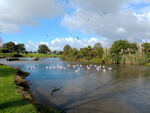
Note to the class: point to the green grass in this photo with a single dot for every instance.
(28, 55)
(10, 100)
(148, 64)
(38, 55)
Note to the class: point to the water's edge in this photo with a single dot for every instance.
(24, 90)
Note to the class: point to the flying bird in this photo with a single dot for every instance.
(47, 35)
(104, 12)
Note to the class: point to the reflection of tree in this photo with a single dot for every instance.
(131, 72)
(96, 95)
(119, 83)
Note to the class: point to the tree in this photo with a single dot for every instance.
(98, 50)
(20, 48)
(4, 50)
(73, 52)
(55, 52)
(146, 48)
(86, 53)
(10, 46)
(43, 49)
(119, 48)
(67, 49)
(97, 45)
(133, 48)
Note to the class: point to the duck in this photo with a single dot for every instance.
(104, 70)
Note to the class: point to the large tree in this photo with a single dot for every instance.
(119, 48)
(146, 48)
(20, 48)
(10, 46)
(43, 49)
(67, 49)
(98, 50)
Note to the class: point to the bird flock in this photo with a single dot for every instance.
(76, 67)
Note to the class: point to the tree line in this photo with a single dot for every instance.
(11, 47)
(121, 52)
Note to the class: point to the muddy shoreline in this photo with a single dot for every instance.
(24, 90)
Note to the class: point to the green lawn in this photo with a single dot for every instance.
(10, 100)
(28, 55)
(38, 55)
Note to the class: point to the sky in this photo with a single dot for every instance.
(59, 22)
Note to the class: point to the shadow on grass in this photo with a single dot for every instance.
(5, 72)
(13, 104)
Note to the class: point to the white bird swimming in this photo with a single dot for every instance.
(110, 68)
(77, 70)
(104, 70)
(88, 68)
(50, 67)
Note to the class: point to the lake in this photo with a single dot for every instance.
(88, 88)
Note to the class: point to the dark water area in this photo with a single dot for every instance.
(88, 88)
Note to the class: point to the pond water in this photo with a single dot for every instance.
(88, 88)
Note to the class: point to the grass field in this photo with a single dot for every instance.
(38, 55)
(10, 100)
(28, 55)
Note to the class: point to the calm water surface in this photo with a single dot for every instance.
(124, 89)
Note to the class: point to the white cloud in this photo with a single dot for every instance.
(110, 19)
(1, 42)
(59, 43)
(14, 13)
(30, 46)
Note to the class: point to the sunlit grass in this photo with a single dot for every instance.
(28, 55)
(10, 100)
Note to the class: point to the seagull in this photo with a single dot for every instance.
(104, 70)
(47, 36)
(110, 68)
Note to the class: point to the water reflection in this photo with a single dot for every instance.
(124, 89)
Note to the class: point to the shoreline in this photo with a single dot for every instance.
(99, 63)
(24, 90)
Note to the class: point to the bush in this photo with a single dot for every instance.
(36, 58)
(17, 55)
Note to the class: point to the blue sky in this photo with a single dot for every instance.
(56, 21)
(47, 30)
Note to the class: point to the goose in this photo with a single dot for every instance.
(77, 70)
(104, 70)
(54, 68)
(98, 69)
(50, 67)
(88, 68)
(110, 68)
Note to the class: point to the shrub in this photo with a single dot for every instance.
(36, 58)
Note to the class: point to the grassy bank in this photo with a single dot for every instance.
(15, 95)
(27, 55)
(10, 100)
(38, 55)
